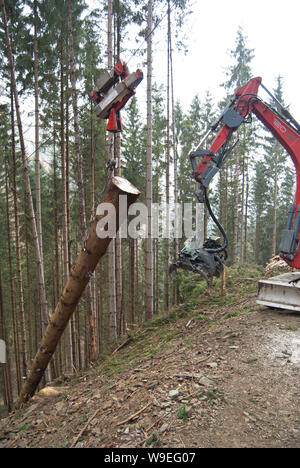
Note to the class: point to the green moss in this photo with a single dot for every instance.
(182, 413)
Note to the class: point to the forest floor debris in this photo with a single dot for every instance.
(230, 380)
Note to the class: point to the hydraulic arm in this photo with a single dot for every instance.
(283, 127)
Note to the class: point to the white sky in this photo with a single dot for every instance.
(272, 28)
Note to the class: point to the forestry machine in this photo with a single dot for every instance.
(113, 89)
(281, 291)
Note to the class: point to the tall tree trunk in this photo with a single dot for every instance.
(71, 337)
(167, 243)
(246, 216)
(236, 205)
(55, 210)
(118, 243)
(56, 241)
(40, 268)
(12, 289)
(43, 303)
(137, 302)
(23, 348)
(225, 222)
(275, 193)
(37, 151)
(131, 282)
(64, 198)
(82, 209)
(257, 237)
(149, 243)
(110, 156)
(118, 246)
(176, 238)
(101, 309)
(29, 308)
(92, 208)
(242, 214)
(7, 394)
(156, 254)
(81, 272)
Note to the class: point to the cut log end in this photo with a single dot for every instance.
(125, 186)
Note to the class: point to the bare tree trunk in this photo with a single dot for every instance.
(242, 214)
(68, 214)
(131, 282)
(225, 204)
(274, 230)
(137, 302)
(149, 243)
(101, 310)
(176, 239)
(257, 237)
(23, 349)
(8, 397)
(82, 209)
(64, 199)
(37, 153)
(246, 216)
(156, 254)
(236, 206)
(92, 208)
(81, 272)
(29, 309)
(12, 290)
(43, 303)
(110, 154)
(26, 171)
(56, 240)
(167, 242)
(118, 246)
(118, 242)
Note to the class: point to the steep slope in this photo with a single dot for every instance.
(218, 372)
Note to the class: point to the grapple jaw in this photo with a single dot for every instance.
(202, 261)
(113, 89)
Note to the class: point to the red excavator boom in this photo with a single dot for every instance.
(282, 291)
(283, 127)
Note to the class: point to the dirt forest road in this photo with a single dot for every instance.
(258, 365)
(225, 380)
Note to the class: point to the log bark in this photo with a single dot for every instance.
(79, 278)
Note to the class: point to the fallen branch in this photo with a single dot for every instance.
(134, 415)
(154, 424)
(85, 428)
(122, 345)
(187, 376)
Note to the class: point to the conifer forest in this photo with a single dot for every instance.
(57, 160)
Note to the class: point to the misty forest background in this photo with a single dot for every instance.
(52, 184)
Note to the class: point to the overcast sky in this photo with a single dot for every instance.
(272, 28)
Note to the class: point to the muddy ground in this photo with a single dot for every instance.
(223, 378)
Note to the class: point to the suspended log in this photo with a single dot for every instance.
(81, 272)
